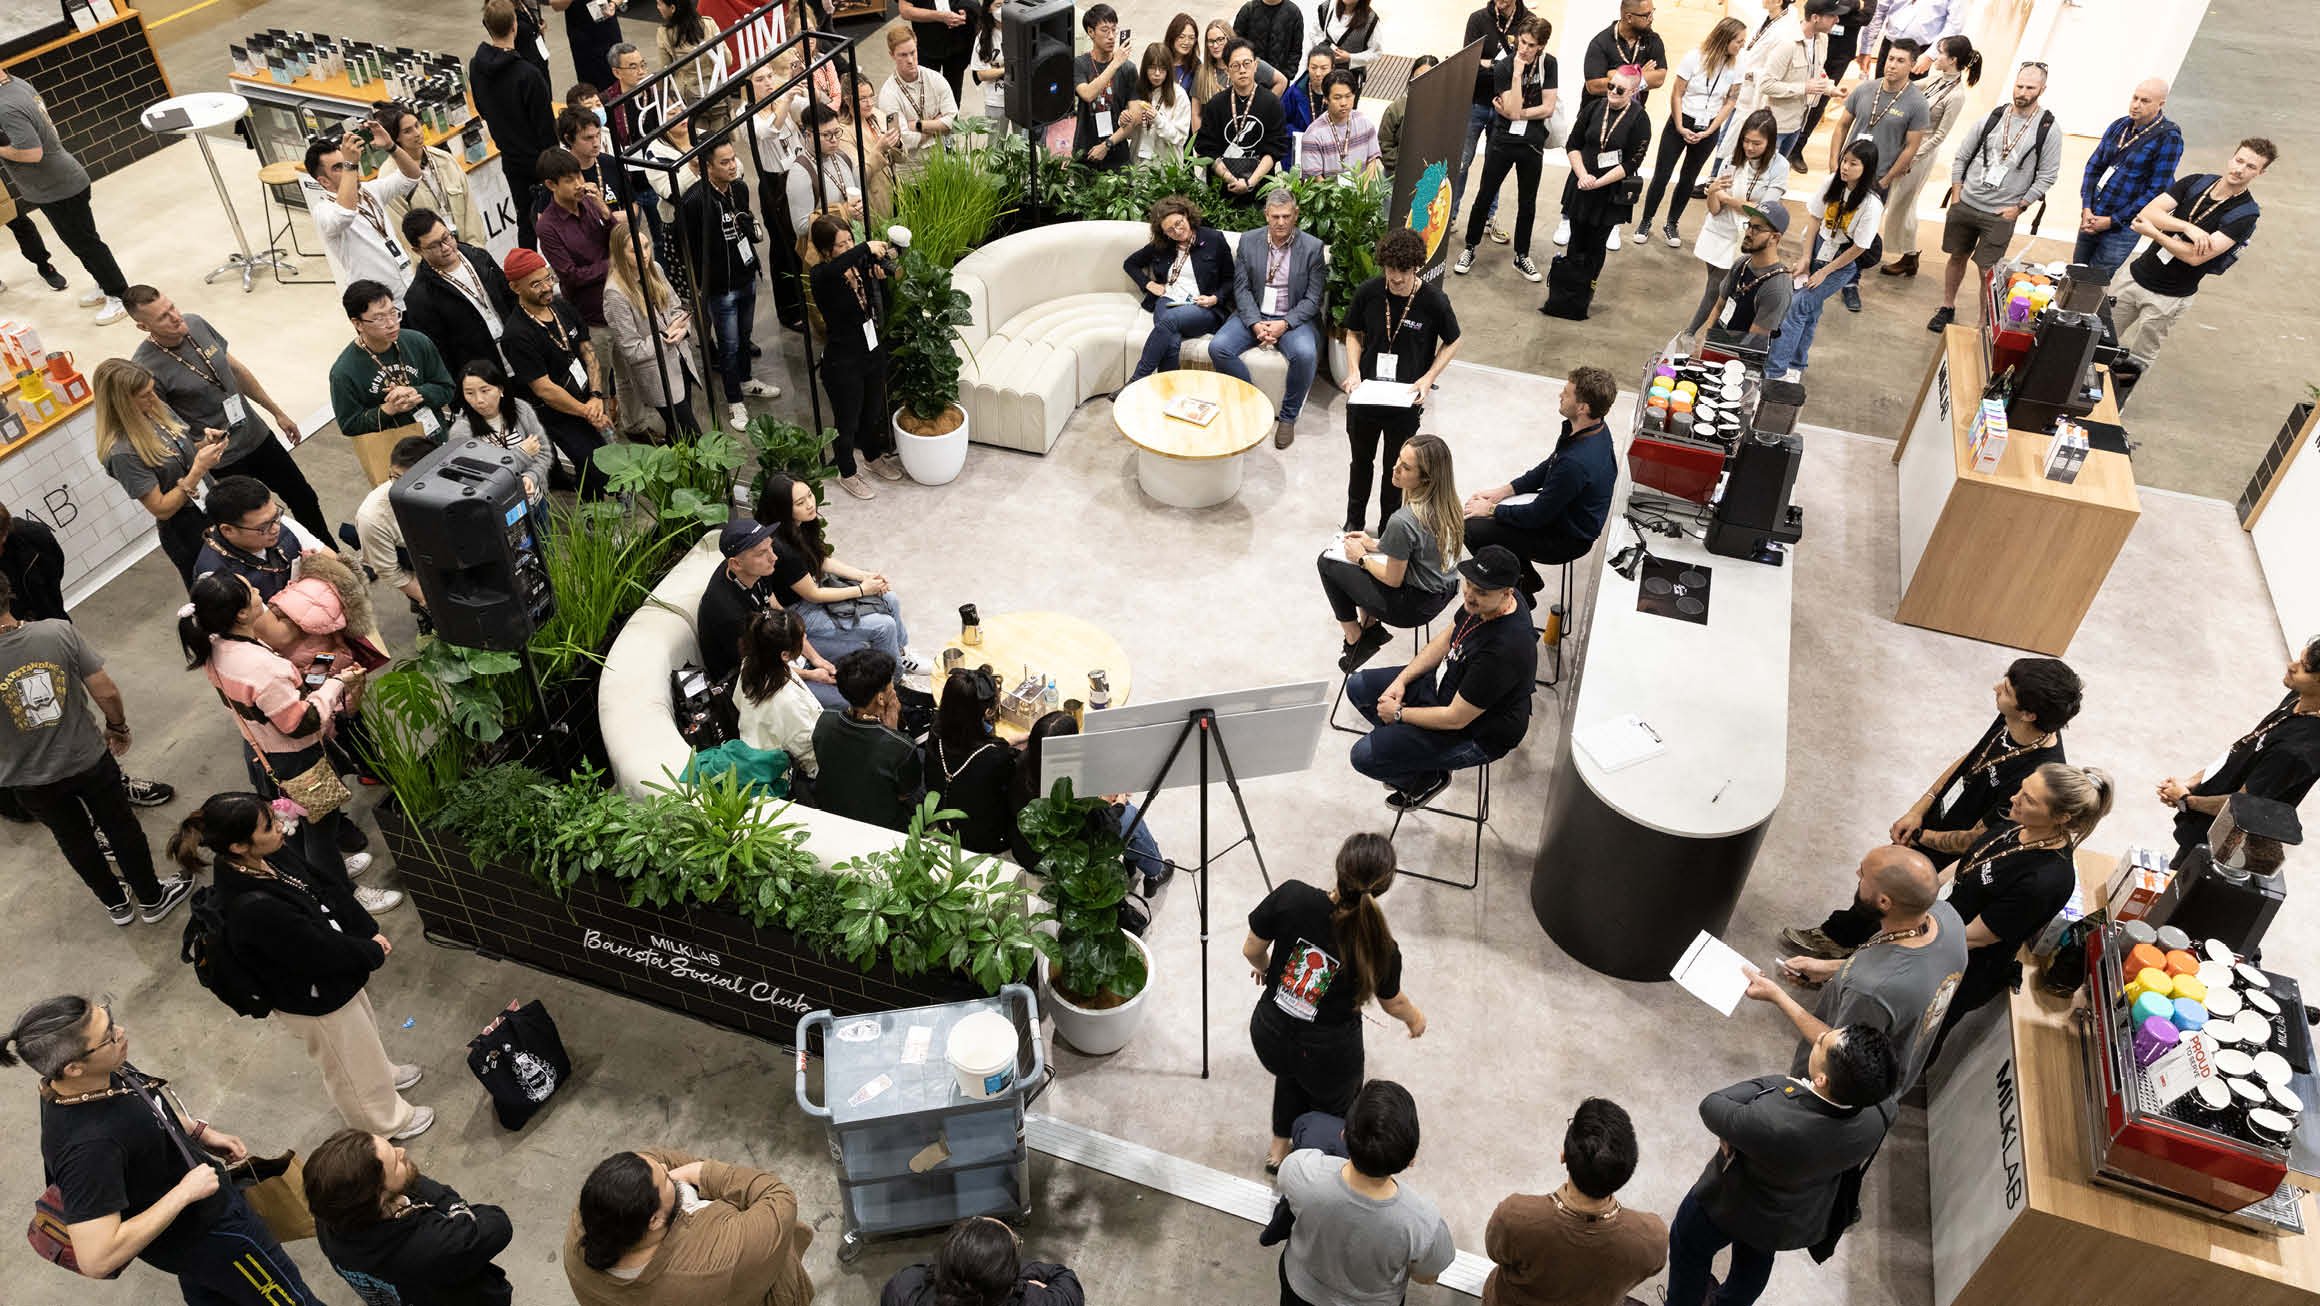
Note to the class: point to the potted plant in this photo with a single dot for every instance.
(788, 447)
(1348, 215)
(1096, 982)
(930, 429)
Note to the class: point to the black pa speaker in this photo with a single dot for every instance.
(474, 545)
(1035, 41)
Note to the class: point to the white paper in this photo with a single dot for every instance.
(1618, 742)
(1381, 394)
(1336, 549)
(1513, 500)
(1712, 972)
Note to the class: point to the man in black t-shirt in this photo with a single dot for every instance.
(551, 361)
(1522, 116)
(1242, 127)
(946, 36)
(737, 591)
(1495, 25)
(1402, 332)
(2198, 227)
(1476, 711)
(1101, 82)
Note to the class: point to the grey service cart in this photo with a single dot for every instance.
(891, 1097)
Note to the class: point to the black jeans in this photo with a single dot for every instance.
(28, 241)
(76, 226)
(271, 465)
(519, 184)
(579, 442)
(1533, 547)
(1671, 142)
(1352, 590)
(1526, 164)
(1314, 1067)
(857, 390)
(1590, 243)
(782, 266)
(78, 806)
(678, 419)
(1365, 426)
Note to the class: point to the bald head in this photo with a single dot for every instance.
(1901, 879)
(2148, 100)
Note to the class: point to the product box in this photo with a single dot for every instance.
(2072, 912)
(2136, 883)
(1988, 439)
(2181, 1068)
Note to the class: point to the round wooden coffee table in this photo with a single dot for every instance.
(1184, 464)
(1050, 644)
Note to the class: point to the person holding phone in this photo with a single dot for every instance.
(354, 217)
(649, 329)
(149, 452)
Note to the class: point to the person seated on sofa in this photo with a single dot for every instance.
(1185, 275)
(737, 592)
(1143, 857)
(969, 764)
(860, 610)
(869, 769)
(777, 709)
(1276, 302)
(1242, 127)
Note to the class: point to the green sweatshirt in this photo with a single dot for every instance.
(360, 379)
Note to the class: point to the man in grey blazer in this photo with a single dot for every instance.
(1277, 276)
(1783, 1148)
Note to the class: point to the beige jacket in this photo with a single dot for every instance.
(744, 1249)
(1787, 62)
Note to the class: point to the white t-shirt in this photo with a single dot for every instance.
(1861, 230)
(1185, 286)
(994, 92)
(928, 99)
(363, 241)
(1704, 95)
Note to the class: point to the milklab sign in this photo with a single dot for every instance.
(745, 42)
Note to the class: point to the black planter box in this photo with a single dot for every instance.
(706, 963)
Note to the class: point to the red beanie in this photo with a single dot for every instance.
(521, 263)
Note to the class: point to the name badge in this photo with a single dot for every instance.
(1520, 126)
(425, 416)
(1276, 299)
(1235, 152)
(870, 335)
(1995, 174)
(579, 374)
(1731, 306)
(2105, 178)
(540, 43)
(747, 252)
(1103, 124)
(1607, 160)
(402, 260)
(237, 410)
(1829, 247)
(1838, 30)
(2163, 255)
(1388, 367)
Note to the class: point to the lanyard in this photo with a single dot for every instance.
(1984, 760)
(1938, 95)
(1877, 111)
(1176, 269)
(427, 178)
(1341, 135)
(466, 283)
(1277, 263)
(1238, 113)
(1394, 324)
(2209, 198)
(369, 209)
(554, 324)
(1463, 629)
(2014, 129)
(401, 370)
(2004, 845)
(1628, 53)
(206, 371)
(1610, 124)
(1742, 290)
(2126, 142)
(2264, 728)
(861, 297)
(915, 93)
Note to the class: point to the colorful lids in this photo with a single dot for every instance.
(2152, 1004)
(2173, 939)
(2180, 962)
(2189, 1014)
(2145, 956)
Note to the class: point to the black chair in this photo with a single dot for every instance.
(1418, 636)
(1563, 605)
(1480, 817)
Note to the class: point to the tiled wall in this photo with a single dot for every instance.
(56, 480)
(95, 87)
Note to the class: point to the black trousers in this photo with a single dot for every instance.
(78, 806)
(76, 226)
(1365, 425)
(579, 442)
(857, 390)
(1671, 142)
(1590, 243)
(1533, 547)
(1841, 52)
(1314, 1067)
(1352, 590)
(519, 184)
(273, 467)
(180, 535)
(28, 241)
(954, 71)
(1526, 164)
(782, 265)
(678, 419)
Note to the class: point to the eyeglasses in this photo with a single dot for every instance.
(444, 241)
(344, 167)
(2039, 66)
(113, 1034)
(266, 527)
(381, 319)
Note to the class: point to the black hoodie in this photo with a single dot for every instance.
(311, 948)
(436, 1253)
(513, 98)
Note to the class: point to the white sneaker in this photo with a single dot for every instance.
(857, 487)
(406, 1076)
(887, 466)
(908, 664)
(377, 900)
(737, 412)
(1614, 242)
(1563, 232)
(757, 389)
(356, 864)
(1793, 375)
(112, 312)
(93, 298)
(422, 1120)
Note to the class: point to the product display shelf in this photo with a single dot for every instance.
(340, 88)
(63, 415)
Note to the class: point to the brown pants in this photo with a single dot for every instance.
(356, 1071)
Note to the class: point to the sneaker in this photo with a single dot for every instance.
(1563, 232)
(1942, 317)
(173, 892)
(1852, 296)
(1642, 236)
(756, 389)
(1284, 432)
(406, 1076)
(1796, 165)
(375, 901)
(737, 413)
(857, 487)
(1362, 650)
(909, 663)
(887, 466)
(1465, 263)
(122, 912)
(54, 278)
(1793, 375)
(1668, 233)
(1813, 943)
(1523, 264)
(357, 864)
(1498, 233)
(93, 298)
(1612, 245)
(147, 793)
(112, 312)
(1410, 800)
(422, 1120)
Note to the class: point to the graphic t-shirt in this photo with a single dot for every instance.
(1305, 976)
(1409, 332)
(46, 732)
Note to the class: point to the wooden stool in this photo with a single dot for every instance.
(283, 173)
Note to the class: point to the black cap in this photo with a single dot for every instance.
(740, 536)
(1493, 567)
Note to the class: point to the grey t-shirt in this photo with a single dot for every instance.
(1346, 1250)
(139, 477)
(1772, 294)
(47, 732)
(194, 380)
(1886, 120)
(1414, 544)
(58, 175)
(1902, 990)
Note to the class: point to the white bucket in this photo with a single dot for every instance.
(981, 1050)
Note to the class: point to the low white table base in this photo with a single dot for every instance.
(1189, 482)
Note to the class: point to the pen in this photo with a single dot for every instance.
(1720, 790)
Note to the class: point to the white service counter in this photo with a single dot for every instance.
(53, 477)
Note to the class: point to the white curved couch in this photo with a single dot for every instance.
(1055, 324)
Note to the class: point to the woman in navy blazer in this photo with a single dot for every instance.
(1183, 256)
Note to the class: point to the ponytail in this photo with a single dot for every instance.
(223, 821)
(1365, 870)
(1962, 52)
(47, 1037)
(2079, 795)
(218, 600)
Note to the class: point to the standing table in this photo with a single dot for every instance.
(204, 110)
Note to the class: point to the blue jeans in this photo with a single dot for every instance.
(1171, 323)
(1477, 122)
(883, 631)
(1787, 143)
(1406, 757)
(2105, 250)
(1301, 346)
(1693, 1241)
(1794, 342)
(1143, 850)
(238, 1263)
(733, 315)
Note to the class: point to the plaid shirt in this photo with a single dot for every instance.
(2137, 176)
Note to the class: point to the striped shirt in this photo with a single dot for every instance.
(1327, 149)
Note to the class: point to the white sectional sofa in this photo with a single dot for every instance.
(1055, 324)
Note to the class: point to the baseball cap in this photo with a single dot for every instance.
(1493, 567)
(740, 536)
(1774, 216)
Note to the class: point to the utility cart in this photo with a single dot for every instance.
(914, 1149)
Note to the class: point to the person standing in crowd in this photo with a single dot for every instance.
(849, 289)
(1925, 24)
(1844, 42)
(827, 182)
(1893, 115)
(1844, 243)
(1185, 275)
(1103, 79)
(1242, 127)
(981, 1264)
(511, 96)
(1522, 117)
(968, 764)
(1400, 331)
(2133, 163)
(2000, 171)
(1628, 43)
(649, 328)
(306, 938)
(58, 767)
(152, 456)
(2279, 759)
(947, 34)
(458, 298)
(1274, 29)
(378, 532)
(683, 31)
(387, 377)
(1214, 74)
(2036, 698)
(1303, 102)
(1361, 1236)
(396, 1235)
(1754, 182)
(47, 178)
(2198, 228)
(1606, 151)
(1783, 1147)
(1788, 70)
(862, 612)
(352, 217)
(1160, 114)
(137, 1179)
(917, 98)
(550, 356)
(1577, 1246)
(1899, 980)
(576, 232)
(1401, 578)
(591, 28)
(719, 234)
(1348, 28)
(1497, 25)
(33, 563)
(870, 770)
(778, 143)
(1475, 712)
(28, 241)
(442, 181)
(582, 132)
(208, 388)
(1956, 65)
(1321, 955)
(1390, 122)
(532, 39)
(1278, 277)
(775, 704)
(1753, 298)
(246, 538)
(660, 1227)
(1568, 494)
(1707, 86)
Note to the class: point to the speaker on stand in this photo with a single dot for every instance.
(1035, 40)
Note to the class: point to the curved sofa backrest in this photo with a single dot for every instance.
(1029, 268)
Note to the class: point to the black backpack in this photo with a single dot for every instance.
(212, 956)
(2037, 151)
(704, 708)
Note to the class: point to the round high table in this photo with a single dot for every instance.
(1047, 643)
(202, 111)
(1184, 464)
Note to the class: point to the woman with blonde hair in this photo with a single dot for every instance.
(1212, 78)
(638, 310)
(142, 445)
(1404, 578)
(1707, 85)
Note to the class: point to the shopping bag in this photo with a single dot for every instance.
(520, 1060)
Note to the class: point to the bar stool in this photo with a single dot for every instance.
(1479, 817)
(1419, 635)
(283, 173)
(1563, 605)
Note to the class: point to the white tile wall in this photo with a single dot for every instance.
(56, 480)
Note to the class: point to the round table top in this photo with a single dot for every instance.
(1244, 419)
(281, 172)
(1049, 643)
(207, 109)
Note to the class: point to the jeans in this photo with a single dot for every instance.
(78, 806)
(1693, 1241)
(1143, 850)
(1671, 142)
(1171, 323)
(1352, 590)
(1364, 427)
(272, 465)
(883, 631)
(76, 226)
(1478, 120)
(1526, 164)
(238, 1263)
(733, 315)
(858, 410)
(1300, 345)
(2105, 250)
(1790, 347)
(1405, 756)
(1314, 1067)
(1786, 145)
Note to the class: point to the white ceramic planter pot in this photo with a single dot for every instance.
(932, 459)
(1098, 1033)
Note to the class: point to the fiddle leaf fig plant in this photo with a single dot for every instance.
(1080, 852)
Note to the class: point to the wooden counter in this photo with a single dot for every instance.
(2006, 556)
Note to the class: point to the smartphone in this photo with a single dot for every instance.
(678, 319)
(1127, 35)
(319, 670)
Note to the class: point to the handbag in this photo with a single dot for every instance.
(317, 789)
(275, 1187)
(519, 1059)
(846, 614)
(51, 1239)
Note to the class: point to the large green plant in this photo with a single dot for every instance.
(928, 904)
(923, 377)
(1349, 218)
(687, 482)
(949, 204)
(1080, 851)
(413, 745)
(788, 447)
